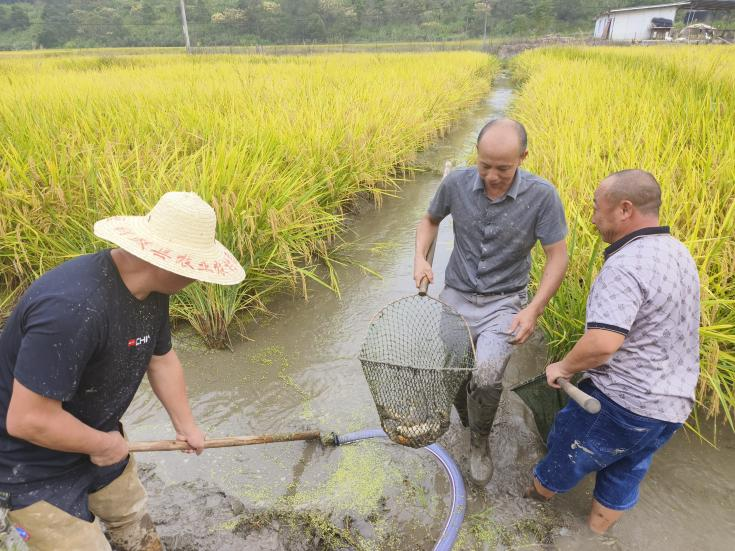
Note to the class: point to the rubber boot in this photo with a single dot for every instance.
(482, 405)
(151, 542)
(481, 464)
(460, 404)
(141, 536)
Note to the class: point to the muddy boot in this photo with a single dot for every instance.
(139, 537)
(151, 542)
(460, 404)
(481, 465)
(482, 404)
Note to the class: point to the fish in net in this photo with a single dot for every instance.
(417, 354)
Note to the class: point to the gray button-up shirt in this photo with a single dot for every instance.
(493, 239)
(648, 290)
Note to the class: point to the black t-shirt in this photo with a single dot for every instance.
(78, 336)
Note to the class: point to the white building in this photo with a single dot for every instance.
(629, 24)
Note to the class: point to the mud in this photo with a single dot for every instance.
(358, 508)
(200, 516)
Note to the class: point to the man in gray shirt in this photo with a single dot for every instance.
(499, 211)
(639, 355)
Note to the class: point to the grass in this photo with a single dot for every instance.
(353, 498)
(280, 146)
(300, 527)
(482, 531)
(592, 111)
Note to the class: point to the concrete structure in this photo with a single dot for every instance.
(636, 23)
(629, 24)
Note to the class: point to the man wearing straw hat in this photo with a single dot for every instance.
(499, 211)
(72, 356)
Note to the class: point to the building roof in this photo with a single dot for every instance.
(653, 7)
(712, 4)
(693, 4)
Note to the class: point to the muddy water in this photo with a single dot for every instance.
(299, 371)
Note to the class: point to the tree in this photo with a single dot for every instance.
(101, 25)
(339, 17)
(197, 11)
(56, 24)
(273, 25)
(315, 29)
(143, 12)
(156, 22)
(233, 18)
(542, 16)
(569, 10)
(18, 19)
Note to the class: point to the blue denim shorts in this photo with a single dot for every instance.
(617, 444)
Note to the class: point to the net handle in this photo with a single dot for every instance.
(424, 283)
(588, 403)
(585, 401)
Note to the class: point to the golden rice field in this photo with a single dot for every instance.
(669, 110)
(279, 145)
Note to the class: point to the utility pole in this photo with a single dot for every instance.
(185, 26)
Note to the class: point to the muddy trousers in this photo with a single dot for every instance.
(489, 318)
(120, 505)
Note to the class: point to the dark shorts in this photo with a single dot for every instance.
(69, 492)
(616, 443)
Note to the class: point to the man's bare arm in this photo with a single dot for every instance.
(426, 233)
(557, 260)
(43, 422)
(166, 376)
(594, 349)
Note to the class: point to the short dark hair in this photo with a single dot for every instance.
(520, 129)
(637, 186)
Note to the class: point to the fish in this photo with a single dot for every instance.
(420, 430)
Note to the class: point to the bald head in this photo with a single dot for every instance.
(637, 186)
(505, 129)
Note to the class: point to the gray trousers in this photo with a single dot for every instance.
(489, 318)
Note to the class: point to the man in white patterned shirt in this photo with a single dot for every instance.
(639, 355)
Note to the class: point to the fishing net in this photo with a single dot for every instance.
(543, 401)
(417, 354)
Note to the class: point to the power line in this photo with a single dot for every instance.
(173, 24)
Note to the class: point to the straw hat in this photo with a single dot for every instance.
(178, 236)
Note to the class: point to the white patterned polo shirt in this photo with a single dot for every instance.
(648, 291)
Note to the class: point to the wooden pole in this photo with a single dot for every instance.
(172, 445)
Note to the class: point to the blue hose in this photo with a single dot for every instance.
(459, 498)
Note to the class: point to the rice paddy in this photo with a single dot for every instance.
(669, 110)
(280, 146)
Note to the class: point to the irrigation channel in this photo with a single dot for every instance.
(300, 371)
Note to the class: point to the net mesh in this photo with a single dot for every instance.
(417, 354)
(543, 401)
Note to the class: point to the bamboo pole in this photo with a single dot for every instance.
(230, 441)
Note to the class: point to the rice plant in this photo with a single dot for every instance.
(279, 146)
